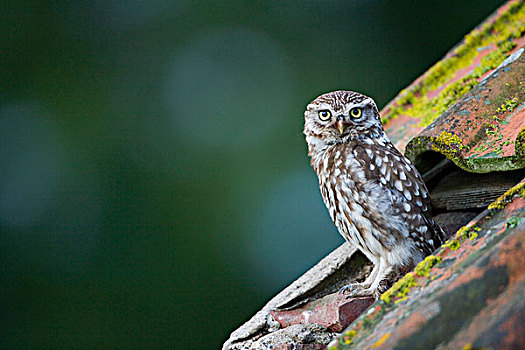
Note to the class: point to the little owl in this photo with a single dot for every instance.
(375, 196)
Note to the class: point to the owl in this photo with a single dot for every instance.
(375, 196)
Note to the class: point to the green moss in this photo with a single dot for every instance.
(381, 341)
(508, 105)
(467, 233)
(490, 129)
(508, 196)
(424, 267)
(468, 346)
(495, 139)
(400, 289)
(414, 102)
(416, 146)
(453, 244)
(520, 143)
(349, 336)
(344, 340)
(513, 222)
(369, 321)
(449, 145)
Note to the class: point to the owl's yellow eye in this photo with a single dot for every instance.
(324, 115)
(355, 113)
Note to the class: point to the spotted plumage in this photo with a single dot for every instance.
(375, 196)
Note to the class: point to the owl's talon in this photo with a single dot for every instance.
(355, 290)
(346, 288)
(358, 290)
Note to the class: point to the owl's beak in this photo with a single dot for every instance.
(340, 126)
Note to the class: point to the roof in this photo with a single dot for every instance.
(469, 293)
(470, 105)
(468, 108)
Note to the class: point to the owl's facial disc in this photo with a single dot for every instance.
(340, 116)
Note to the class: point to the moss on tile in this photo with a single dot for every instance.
(467, 232)
(344, 340)
(453, 244)
(509, 105)
(400, 289)
(520, 143)
(349, 336)
(464, 233)
(414, 102)
(512, 222)
(424, 267)
(450, 145)
(381, 341)
(508, 196)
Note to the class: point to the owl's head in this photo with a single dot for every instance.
(341, 116)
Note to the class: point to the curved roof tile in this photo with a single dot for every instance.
(470, 105)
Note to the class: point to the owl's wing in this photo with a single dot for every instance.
(385, 165)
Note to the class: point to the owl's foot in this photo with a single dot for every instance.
(374, 289)
(359, 290)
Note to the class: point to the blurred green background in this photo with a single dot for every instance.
(154, 187)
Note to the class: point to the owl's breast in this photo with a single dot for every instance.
(360, 207)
